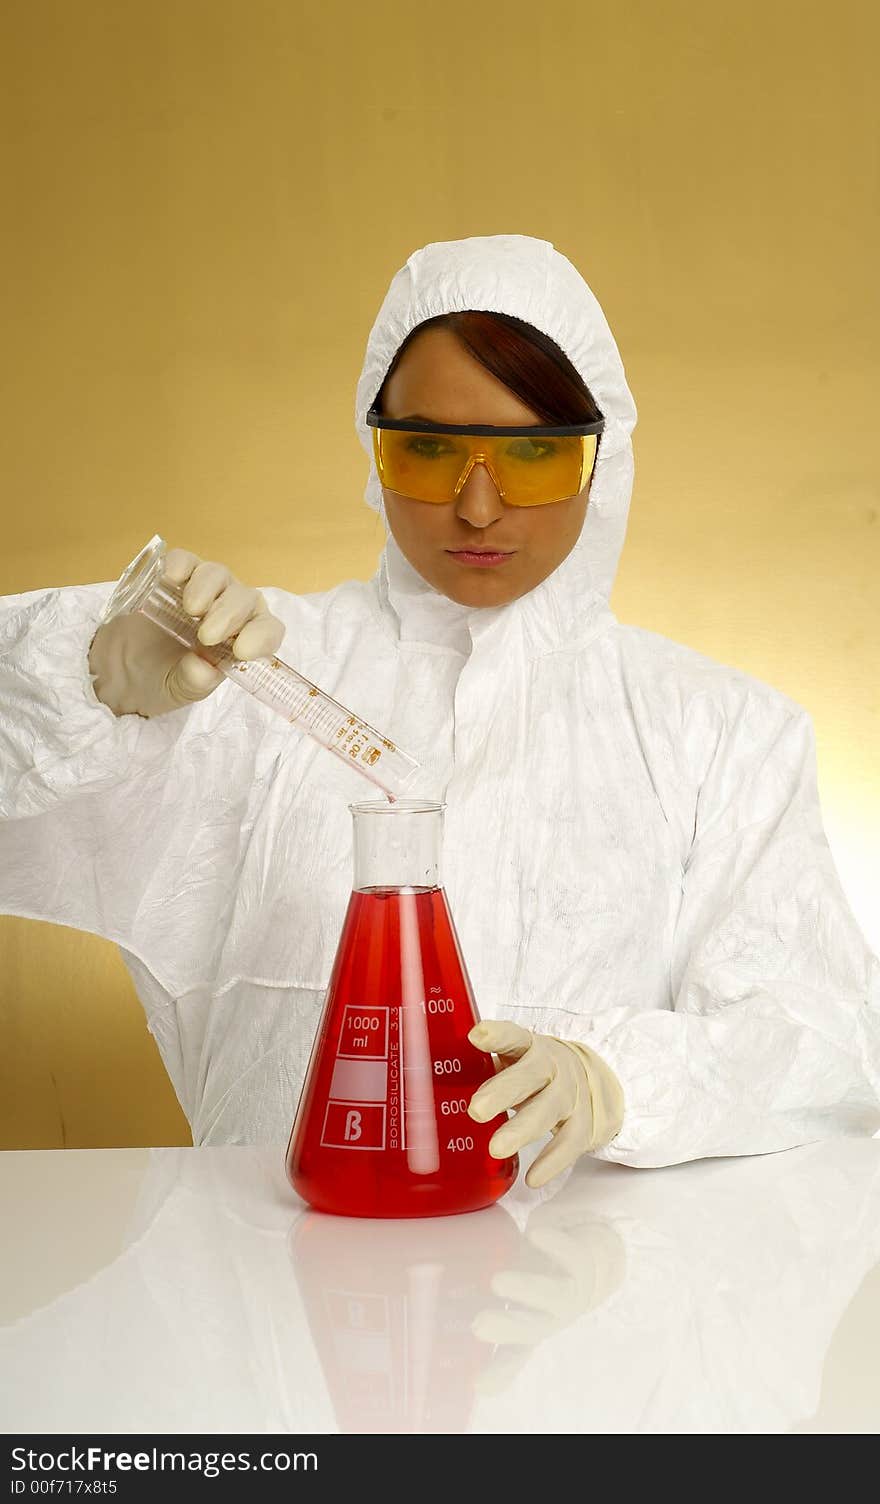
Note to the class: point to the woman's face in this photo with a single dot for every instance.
(438, 379)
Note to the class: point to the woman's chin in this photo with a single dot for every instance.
(473, 586)
(479, 597)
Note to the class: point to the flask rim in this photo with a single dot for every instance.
(399, 807)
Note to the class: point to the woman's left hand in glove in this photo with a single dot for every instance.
(557, 1086)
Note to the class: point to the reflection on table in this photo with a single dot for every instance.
(188, 1290)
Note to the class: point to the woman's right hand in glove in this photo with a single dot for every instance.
(137, 669)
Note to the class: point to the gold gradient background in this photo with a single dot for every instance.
(207, 200)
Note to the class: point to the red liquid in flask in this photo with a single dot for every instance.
(382, 1128)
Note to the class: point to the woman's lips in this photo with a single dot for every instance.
(481, 559)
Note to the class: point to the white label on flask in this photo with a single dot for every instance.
(359, 1081)
(364, 1033)
(354, 1125)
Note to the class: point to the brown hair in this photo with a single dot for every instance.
(525, 359)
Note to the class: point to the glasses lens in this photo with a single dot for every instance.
(531, 471)
(535, 471)
(424, 466)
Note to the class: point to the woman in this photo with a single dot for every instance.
(660, 947)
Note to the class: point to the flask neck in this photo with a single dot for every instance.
(397, 845)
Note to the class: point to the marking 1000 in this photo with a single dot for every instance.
(438, 1005)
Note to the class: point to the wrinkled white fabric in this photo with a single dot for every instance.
(634, 853)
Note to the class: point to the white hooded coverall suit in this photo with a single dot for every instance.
(633, 851)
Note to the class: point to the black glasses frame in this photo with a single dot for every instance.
(408, 425)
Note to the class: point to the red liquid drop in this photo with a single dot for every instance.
(382, 1128)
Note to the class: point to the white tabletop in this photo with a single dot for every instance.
(179, 1291)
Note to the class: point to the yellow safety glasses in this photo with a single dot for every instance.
(530, 466)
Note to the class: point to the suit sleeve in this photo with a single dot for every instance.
(126, 827)
(773, 1038)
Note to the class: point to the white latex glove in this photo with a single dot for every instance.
(138, 669)
(558, 1086)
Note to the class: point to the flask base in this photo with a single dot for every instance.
(411, 1200)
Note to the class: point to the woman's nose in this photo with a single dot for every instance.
(478, 500)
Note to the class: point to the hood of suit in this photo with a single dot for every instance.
(529, 278)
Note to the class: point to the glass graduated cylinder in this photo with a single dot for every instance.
(142, 587)
(382, 1128)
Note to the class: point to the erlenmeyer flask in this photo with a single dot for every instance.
(382, 1128)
